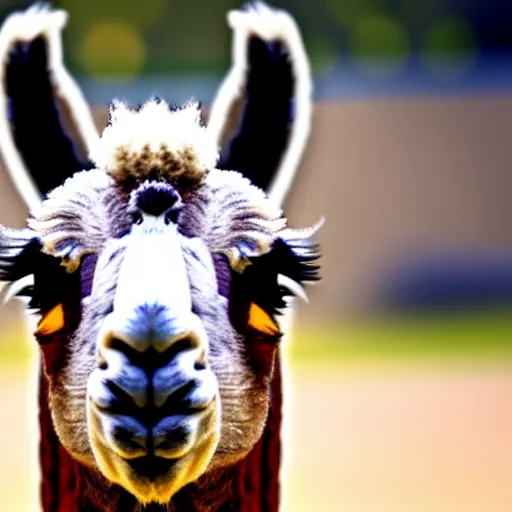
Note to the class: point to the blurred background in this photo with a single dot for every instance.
(400, 369)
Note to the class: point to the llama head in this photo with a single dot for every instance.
(159, 275)
(157, 278)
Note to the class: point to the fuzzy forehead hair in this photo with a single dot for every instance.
(155, 141)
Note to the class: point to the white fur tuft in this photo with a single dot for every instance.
(268, 24)
(260, 20)
(154, 137)
(39, 20)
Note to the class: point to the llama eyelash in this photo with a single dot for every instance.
(293, 258)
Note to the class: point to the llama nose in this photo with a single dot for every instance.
(152, 383)
(150, 362)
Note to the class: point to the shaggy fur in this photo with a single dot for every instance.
(227, 212)
(155, 142)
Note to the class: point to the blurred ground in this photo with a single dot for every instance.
(436, 441)
(373, 424)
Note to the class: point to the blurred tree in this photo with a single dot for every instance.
(127, 38)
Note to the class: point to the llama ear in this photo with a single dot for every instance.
(46, 127)
(267, 96)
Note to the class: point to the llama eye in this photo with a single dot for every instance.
(254, 297)
(259, 294)
(56, 294)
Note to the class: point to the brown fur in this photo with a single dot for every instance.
(179, 168)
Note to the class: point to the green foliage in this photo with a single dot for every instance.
(477, 338)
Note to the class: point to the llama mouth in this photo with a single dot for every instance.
(154, 463)
(171, 437)
(151, 467)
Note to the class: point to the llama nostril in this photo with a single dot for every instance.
(188, 342)
(119, 345)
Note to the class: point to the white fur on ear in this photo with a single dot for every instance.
(268, 24)
(39, 20)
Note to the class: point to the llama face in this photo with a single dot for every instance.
(158, 288)
(158, 277)
(153, 351)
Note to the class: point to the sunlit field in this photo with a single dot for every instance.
(410, 414)
(406, 341)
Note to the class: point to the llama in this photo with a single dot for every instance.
(159, 262)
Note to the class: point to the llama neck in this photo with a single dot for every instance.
(251, 485)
